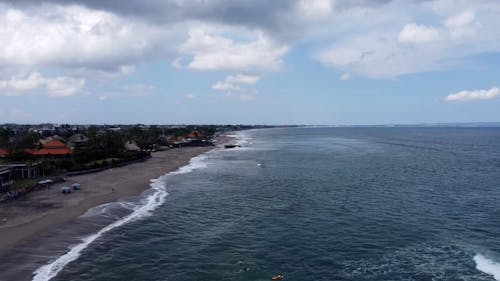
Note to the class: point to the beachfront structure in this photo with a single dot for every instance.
(78, 141)
(12, 172)
(132, 146)
(29, 170)
(197, 135)
(179, 142)
(6, 179)
(52, 138)
(53, 148)
(18, 171)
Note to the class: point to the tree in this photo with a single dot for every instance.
(5, 135)
(27, 141)
(113, 143)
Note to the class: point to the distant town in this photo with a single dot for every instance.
(32, 156)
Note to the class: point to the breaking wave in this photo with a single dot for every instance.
(487, 266)
(144, 209)
(241, 139)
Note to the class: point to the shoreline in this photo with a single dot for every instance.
(45, 210)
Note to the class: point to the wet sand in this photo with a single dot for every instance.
(42, 211)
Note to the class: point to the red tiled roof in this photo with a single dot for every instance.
(54, 144)
(51, 151)
(4, 152)
(53, 147)
(195, 134)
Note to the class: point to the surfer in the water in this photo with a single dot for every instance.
(240, 262)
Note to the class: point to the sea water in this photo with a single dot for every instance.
(311, 204)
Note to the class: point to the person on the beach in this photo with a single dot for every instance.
(4, 220)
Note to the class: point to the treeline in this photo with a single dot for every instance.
(105, 146)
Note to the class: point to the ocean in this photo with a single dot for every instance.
(353, 203)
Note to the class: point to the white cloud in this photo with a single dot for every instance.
(210, 51)
(224, 86)
(474, 95)
(242, 79)
(372, 46)
(56, 35)
(176, 63)
(460, 20)
(122, 70)
(190, 96)
(361, 38)
(18, 85)
(233, 82)
(414, 33)
(375, 56)
(314, 10)
(345, 76)
(64, 86)
(462, 25)
(55, 87)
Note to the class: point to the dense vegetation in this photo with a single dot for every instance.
(105, 145)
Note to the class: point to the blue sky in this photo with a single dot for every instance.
(254, 62)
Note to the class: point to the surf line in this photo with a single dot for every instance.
(487, 266)
(150, 203)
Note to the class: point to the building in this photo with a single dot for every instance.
(51, 138)
(3, 153)
(132, 146)
(12, 172)
(78, 141)
(6, 179)
(195, 135)
(54, 148)
(44, 130)
(29, 170)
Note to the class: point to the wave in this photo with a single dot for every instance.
(144, 209)
(487, 266)
(112, 209)
(241, 138)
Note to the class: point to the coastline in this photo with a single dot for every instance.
(45, 210)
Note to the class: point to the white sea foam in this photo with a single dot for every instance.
(196, 163)
(241, 138)
(487, 266)
(144, 209)
(108, 208)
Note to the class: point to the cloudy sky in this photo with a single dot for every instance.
(259, 61)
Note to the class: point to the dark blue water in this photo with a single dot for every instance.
(320, 204)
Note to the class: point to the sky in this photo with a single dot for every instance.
(312, 62)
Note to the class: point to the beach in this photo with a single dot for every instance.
(42, 211)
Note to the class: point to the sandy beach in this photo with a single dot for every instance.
(44, 210)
